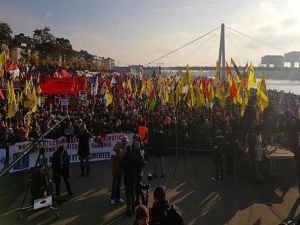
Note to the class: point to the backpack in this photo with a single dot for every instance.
(174, 215)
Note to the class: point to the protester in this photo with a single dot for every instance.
(158, 151)
(139, 152)
(219, 145)
(259, 156)
(84, 150)
(118, 153)
(131, 165)
(144, 134)
(61, 167)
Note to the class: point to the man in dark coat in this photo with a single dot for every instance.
(158, 151)
(252, 142)
(61, 167)
(137, 149)
(84, 149)
(131, 165)
(219, 144)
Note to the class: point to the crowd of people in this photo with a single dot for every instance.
(158, 131)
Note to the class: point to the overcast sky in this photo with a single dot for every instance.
(137, 31)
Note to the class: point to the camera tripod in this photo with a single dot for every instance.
(186, 155)
(40, 163)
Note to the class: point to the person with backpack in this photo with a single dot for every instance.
(130, 164)
(137, 149)
(162, 212)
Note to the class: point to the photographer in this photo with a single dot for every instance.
(137, 149)
(61, 167)
(38, 188)
(158, 151)
(131, 165)
(162, 211)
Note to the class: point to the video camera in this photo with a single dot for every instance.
(145, 187)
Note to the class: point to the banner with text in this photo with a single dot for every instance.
(97, 152)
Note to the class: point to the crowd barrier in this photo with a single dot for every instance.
(97, 152)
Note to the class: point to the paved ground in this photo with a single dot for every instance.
(235, 201)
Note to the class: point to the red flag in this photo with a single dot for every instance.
(65, 73)
(1, 95)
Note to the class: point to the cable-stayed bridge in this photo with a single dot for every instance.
(218, 43)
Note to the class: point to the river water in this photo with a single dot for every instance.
(284, 85)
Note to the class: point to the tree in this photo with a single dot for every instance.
(64, 47)
(41, 36)
(5, 33)
(45, 43)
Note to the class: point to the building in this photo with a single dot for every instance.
(135, 69)
(22, 46)
(279, 61)
(98, 61)
(108, 63)
(273, 61)
(293, 58)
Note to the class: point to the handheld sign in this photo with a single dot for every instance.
(82, 95)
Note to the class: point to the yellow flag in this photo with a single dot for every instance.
(129, 85)
(12, 102)
(187, 77)
(149, 85)
(244, 103)
(178, 91)
(143, 88)
(172, 99)
(167, 94)
(2, 59)
(262, 98)
(135, 87)
(200, 98)
(251, 76)
(33, 98)
(108, 97)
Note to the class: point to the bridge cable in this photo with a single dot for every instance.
(258, 40)
(260, 53)
(253, 50)
(177, 49)
(236, 46)
(215, 36)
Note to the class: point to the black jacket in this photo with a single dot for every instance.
(83, 145)
(61, 164)
(158, 143)
(158, 214)
(219, 145)
(131, 165)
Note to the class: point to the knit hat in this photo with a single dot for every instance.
(125, 139)
(159, 193)
(141, 213)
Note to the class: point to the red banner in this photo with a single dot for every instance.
(70, 85)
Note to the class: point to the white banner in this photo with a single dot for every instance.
(97, 153)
